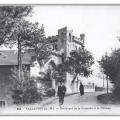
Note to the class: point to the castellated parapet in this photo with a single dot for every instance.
(65, 41)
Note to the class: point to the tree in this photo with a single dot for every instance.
(111, 66)
(58, 71)
(31, 36)
(79, 62)
(9, 17)
(14, 27)
(16, 30)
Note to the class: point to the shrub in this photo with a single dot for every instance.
(17, 96)
(31, 96)
(116, 92)
(24, 90)
(50, 92)
(105, 98)
(28, 94)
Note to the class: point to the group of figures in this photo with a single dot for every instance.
(62, 90)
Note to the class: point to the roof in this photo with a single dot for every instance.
(9, 57)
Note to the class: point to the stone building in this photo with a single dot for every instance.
(63, 44)
(66, 42)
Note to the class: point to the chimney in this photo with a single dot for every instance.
(82, 36)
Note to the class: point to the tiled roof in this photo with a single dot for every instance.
(9, 57)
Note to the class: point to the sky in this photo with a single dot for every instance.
(101, 24)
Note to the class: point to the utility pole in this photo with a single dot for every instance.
(103, 81)
(107, 83)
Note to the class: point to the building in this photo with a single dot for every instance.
(63, 44)
(66, 42)
(8, 61)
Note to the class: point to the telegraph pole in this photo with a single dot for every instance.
(103, 81)
(107, 83)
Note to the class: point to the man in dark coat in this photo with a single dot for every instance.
(81, 88)
(61, 93)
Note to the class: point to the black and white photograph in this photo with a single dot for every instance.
(59, 59)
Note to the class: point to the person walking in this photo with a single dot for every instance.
(61, 93)
(81, 88)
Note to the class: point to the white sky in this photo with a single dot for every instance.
(101, 24)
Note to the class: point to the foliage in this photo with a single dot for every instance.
(45, 76)
(9, 17)
(17, 96)
(79, 62)
(31, 36)
(14, 27)
(107, 99)
(50, 92)
(24, 91)
(28, 95)
(18, 84)
(58, 72)
(31, 95)
(110, 65)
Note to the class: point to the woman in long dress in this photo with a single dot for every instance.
(81, 88)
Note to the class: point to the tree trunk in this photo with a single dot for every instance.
(74, 78)
(19, 61)
(53, 83)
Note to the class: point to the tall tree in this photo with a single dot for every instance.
(111, 66)
(9, 17)
(16, 30)
(79, 62)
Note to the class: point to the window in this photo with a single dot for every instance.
(56, 47)
(69, 37)
(62, 37)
